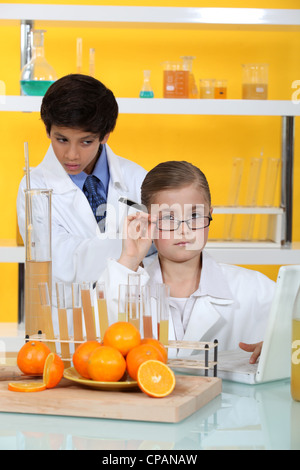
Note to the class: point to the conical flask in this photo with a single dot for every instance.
(37, 75)
(146, 91)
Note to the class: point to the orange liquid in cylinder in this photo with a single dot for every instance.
(163, 334)
(135, 322)
(35, 273)
(103, 316)
(147, 324)
(77, 325)
(89, 316)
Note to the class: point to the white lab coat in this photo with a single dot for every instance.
(231, 304)
(79, 250)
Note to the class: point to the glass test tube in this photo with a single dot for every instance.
(102, 308)
(122, 303)
(79, 55)
(146, 310)
(77, 313)
(133, 303)
(163, 295)
(88, 311)
(128, 308)
(63, 321)
(233, 196)
(47, 315)
(266, 227)
(251, 197)
(92, 62)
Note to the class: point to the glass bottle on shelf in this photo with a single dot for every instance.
(295, 372)
(37, 75)
(146, 91)
(188, 65)
(255, 81)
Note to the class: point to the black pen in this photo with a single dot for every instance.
(135, 205)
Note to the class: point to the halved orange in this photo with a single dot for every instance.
(156, 379)
(26, 386)
(53, 370)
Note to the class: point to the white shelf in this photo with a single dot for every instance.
(248, 210)
(251, 254)
(173, 106)
(200, 17)
(10, 253)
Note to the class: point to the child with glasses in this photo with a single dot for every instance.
(208, 300)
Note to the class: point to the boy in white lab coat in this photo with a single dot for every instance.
(79, 114)
(208, 300)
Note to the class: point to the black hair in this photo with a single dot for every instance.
(80, 102)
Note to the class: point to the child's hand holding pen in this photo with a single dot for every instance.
(137, 239)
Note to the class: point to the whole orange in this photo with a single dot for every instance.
(32, 357)
(122, 336)
(140, 354)
(106, 364)
(157, 344)
(81, 357)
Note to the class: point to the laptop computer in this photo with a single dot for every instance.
(275, 359)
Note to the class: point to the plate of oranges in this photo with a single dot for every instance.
(116, 363)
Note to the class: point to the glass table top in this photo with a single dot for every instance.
(242, 417)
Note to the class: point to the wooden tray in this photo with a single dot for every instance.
(68, 399)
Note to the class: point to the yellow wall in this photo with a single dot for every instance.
(121, 56)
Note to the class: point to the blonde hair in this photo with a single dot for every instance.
(173, 175)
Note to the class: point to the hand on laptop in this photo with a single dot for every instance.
(254, 348)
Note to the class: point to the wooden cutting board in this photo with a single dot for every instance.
(68, 399)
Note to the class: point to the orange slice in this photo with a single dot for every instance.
(156, 379)
(53, 370)
(26, 386)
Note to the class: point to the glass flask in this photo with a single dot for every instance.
(146, 91)
(37, 75)
(255, 81)
(207, 88)
(188, 65)
(175, 80)
(295, 372)
(221, 89)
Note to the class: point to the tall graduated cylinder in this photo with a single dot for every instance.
(38, 263)
(295, 372)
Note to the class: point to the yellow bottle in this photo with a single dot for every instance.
(295, 372)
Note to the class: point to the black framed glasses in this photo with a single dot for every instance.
(169, 224)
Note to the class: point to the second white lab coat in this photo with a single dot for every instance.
(231, 303)
(79, 250)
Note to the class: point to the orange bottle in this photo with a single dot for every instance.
(295, 372)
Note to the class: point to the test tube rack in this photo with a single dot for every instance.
(202, 362)
(86, 314)
(205, 362)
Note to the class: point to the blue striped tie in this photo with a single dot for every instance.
(95, 200)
